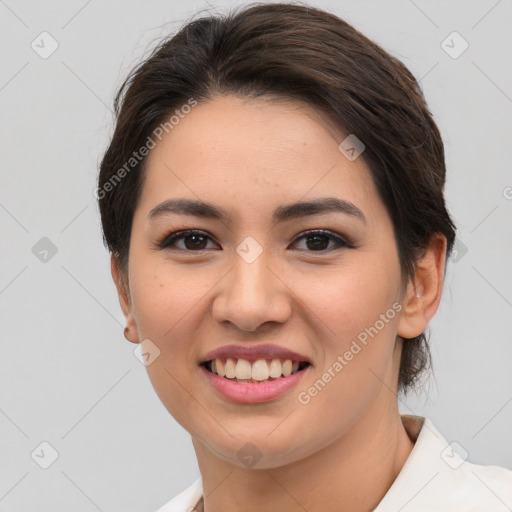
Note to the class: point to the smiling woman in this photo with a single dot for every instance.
(283, 244)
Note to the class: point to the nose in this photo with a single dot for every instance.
(252, 295)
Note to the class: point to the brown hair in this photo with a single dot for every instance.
(303, 53)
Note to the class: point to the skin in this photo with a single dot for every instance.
(343, 449)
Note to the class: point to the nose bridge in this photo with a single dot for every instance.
(253, 295)
(252, 281)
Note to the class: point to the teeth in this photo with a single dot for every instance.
(287, 368)
(230, 368)
(275, 368)
(218, 367)
(260, 370)
(243, 369)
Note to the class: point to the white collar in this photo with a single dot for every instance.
(436, 477)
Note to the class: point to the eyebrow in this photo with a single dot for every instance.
(205, 210)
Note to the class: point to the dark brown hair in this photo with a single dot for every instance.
(303, 53)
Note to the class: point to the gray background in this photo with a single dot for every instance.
(67, 374)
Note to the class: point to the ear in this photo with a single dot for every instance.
(424, 290)
(130, 332)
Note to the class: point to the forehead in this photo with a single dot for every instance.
(252, 152)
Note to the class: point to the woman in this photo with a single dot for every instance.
(272, 198)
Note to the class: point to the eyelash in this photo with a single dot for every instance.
(171, 238)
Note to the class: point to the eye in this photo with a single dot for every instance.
(317, 240)
(192, 240)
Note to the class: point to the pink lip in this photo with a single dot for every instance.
(252, 353)
(247, 392)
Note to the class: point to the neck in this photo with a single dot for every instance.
(351, 474)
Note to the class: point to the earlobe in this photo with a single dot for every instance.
(123, 292)
(424, 291)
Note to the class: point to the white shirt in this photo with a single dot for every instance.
(434, 478)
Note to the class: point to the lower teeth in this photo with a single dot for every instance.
(270, 379)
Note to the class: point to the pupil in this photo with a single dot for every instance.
(320, 242)
(198, 242)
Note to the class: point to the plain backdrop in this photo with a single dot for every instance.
(69, 378)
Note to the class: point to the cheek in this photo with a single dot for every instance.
(356, 349)
(168, 304)
(356, 310)
(349, 300)
(166, 297)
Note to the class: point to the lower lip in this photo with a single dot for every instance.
(247, 392)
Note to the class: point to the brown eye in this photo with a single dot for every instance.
(320, 240)
(187, 240)
(195, 242)
(317, 242)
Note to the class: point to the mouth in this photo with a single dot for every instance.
(254, 371)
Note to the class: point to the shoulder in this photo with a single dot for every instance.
(185, 500)
(489, 486)
(436, 477)
(471, 487)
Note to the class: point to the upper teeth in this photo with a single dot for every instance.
(259, 370)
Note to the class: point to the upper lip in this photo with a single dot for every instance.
(253, 352)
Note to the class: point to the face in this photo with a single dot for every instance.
(321, 280)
